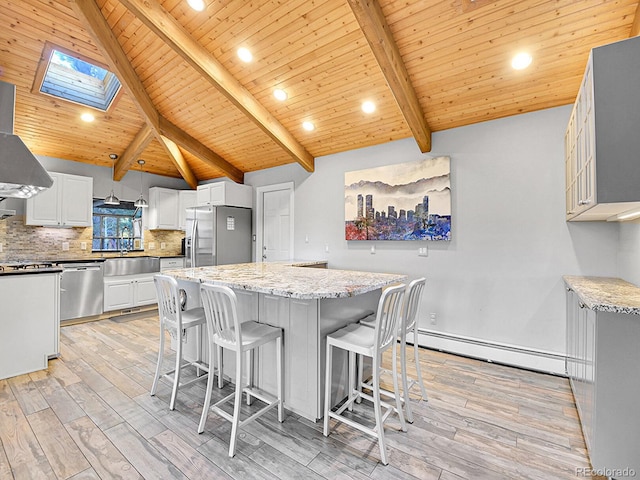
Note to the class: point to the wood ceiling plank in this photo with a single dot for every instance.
(372, 22)
(165, 26)
(96, 23)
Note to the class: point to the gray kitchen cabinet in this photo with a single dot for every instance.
(68, 203)
(601, 142)
(602, 359)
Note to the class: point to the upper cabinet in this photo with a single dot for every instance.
(68, 203)
(186, 199)
(225, 193)
(601, 142)
(163, 209)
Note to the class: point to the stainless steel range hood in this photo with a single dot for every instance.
(21, 174)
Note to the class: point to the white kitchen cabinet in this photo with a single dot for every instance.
(602, 352)
(168, 263)
(68, 203)
(30, 322)
(225, 193)
(186, 199)
(163, 209)
(601, 144)
(127, 291)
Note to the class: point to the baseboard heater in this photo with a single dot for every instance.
(502, 353)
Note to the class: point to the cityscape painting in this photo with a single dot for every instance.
(405, 201)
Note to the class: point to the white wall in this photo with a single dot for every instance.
(629, 252)
(499, 279)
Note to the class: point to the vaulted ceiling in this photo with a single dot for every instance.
(191, 108)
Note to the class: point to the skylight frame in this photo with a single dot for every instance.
(99, 102)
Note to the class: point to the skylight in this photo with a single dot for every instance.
(79, 80)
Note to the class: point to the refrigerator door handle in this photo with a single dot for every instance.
(194, 242)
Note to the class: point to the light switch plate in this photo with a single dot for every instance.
(83, 245)
(65, 246)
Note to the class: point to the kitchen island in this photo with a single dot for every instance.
(308, 304)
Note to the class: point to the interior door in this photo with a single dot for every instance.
(275, 222)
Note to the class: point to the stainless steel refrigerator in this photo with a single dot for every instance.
(217, 236)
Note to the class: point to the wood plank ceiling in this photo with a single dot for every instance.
(192, 109)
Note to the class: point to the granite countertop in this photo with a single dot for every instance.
(606, 294)
(30, 271)
(289, 280)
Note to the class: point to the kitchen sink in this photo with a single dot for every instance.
(131, 265)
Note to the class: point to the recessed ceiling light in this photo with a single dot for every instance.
(280, 94)
(368, 107)
(197, 5)
(521, 61)
(308, 126)
(245, 54)
(87, 117)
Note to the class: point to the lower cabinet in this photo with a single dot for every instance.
(128, 291)
(602, 361)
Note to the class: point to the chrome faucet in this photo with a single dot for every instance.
(123, 249)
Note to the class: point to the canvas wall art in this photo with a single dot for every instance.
(405, 201)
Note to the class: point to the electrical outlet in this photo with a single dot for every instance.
(163, 245)
(152, 245)
(326, 248)
(83, 245)
(65, 246)
(0, 248)
(432, 317)
(423, 252)
(373, 249)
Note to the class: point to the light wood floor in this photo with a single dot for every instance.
(90, 416)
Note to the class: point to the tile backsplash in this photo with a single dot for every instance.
(25, 242)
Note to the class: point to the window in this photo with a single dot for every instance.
(70, 76)
(116, 227)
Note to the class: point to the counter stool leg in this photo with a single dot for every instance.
(327, 390)
(207, 397)
(279, 370)
(250, 375)
(159, 364)
(396, 390)
(378, 413)
(236, 405)
(416, 354)
(198, 348)
(220, 366)
(176, 374)
(351, 391)
(403, 372)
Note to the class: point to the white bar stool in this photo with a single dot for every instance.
(176, 321)
(358, 339)
(408, 324)
(226, 331)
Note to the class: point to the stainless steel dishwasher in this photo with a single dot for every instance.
(81, 290)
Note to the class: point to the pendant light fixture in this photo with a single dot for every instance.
(111, 198)
(141, 202)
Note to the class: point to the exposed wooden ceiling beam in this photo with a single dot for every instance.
(179, 161)
(196, 148)
(635, 27)
(91, 16)
(376, 30)
(151, 13)
(133, 152)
